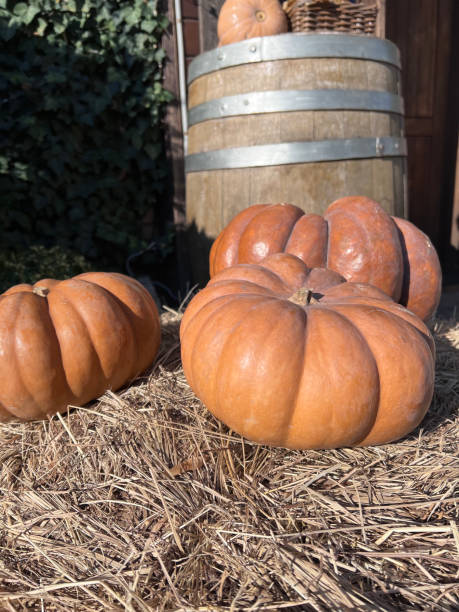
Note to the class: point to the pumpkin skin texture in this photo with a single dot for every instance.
(355, 237)
(350, 368)
(67, 342)
(241, 19)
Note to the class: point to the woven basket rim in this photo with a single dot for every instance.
(338, 4)
(317, 5)
(330, 15)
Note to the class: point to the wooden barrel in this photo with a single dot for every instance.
(298, 118)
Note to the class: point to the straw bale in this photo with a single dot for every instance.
(143, 501)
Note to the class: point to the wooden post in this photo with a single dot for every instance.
(380, 27)
(381, 19)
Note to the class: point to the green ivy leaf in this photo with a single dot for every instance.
(164, 22)
(20, 9)
(41, 27)
(149, 25)
(31, 13)
(84, 95)
(59, 28)
(140, 40)
(160, 54)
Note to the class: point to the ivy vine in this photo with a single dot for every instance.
(81, 106)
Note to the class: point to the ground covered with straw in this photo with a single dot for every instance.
(143, 501)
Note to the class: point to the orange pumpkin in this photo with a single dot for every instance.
(299, 358)
(67, 342)
(355, 237)
(241, 19)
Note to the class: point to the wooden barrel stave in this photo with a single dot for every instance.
(307, 126)
(307, 73)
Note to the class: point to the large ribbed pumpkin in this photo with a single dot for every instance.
(355, 237)
(67, 342)
(299, 358)
(241, 19)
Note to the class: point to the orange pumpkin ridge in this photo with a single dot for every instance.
(67, 342)
(242, 19)
(319, 374)
(355, 237)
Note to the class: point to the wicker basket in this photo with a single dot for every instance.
(331, 16)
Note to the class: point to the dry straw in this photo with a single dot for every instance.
(143, 501)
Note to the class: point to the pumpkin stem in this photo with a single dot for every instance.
(303, 296)
(41, 291)
(260, 15)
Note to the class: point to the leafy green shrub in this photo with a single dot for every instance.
(37, 262)
(81, 99)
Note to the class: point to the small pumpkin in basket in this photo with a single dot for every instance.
(241, 19)
(355, 237)
(296, 357)
(67, 342)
